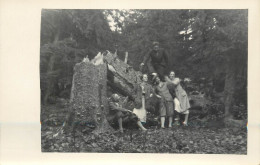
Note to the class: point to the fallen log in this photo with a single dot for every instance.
(122, 78)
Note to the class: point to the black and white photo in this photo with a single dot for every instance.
(144, 81)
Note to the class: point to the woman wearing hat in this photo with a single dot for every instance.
(156, 60)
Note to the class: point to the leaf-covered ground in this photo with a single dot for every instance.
(199, 137)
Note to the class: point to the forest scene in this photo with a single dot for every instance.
(88, 56)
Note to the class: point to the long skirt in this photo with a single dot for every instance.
(178, 107)
(141, 114)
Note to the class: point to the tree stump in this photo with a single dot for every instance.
(89, 96)
(90, 86)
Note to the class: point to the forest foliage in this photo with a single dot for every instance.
(208, 45)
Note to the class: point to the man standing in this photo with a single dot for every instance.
(157, 61)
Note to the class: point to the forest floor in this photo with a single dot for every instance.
(199, 137)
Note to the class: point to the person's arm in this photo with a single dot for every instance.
(113, 107)
(167, 79)
(146, 58)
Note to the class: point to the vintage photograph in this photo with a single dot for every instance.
(144, 81)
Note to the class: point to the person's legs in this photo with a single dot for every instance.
(176, 118)
(131, 120)
(169, 110)
(177, 111)
(176, 121)
(162, 108)
(119, 116)
(140, 125)
(170, 121)
(162, 121)
(185, 123)
(148, 106)
(120, 122)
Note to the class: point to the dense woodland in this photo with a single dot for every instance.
(208, 46)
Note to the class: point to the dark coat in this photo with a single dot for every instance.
(157, 62)
(153, 58)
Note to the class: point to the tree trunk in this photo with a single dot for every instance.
(89, 95)
(229, 92)
(50, 85)
(230, 82)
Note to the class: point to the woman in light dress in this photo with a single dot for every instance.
(181, 100)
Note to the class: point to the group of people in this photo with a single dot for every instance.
(171, 99)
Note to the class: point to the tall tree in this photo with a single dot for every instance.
(219, 39)
(67, 36)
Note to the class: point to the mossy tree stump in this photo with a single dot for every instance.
(89, 95)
